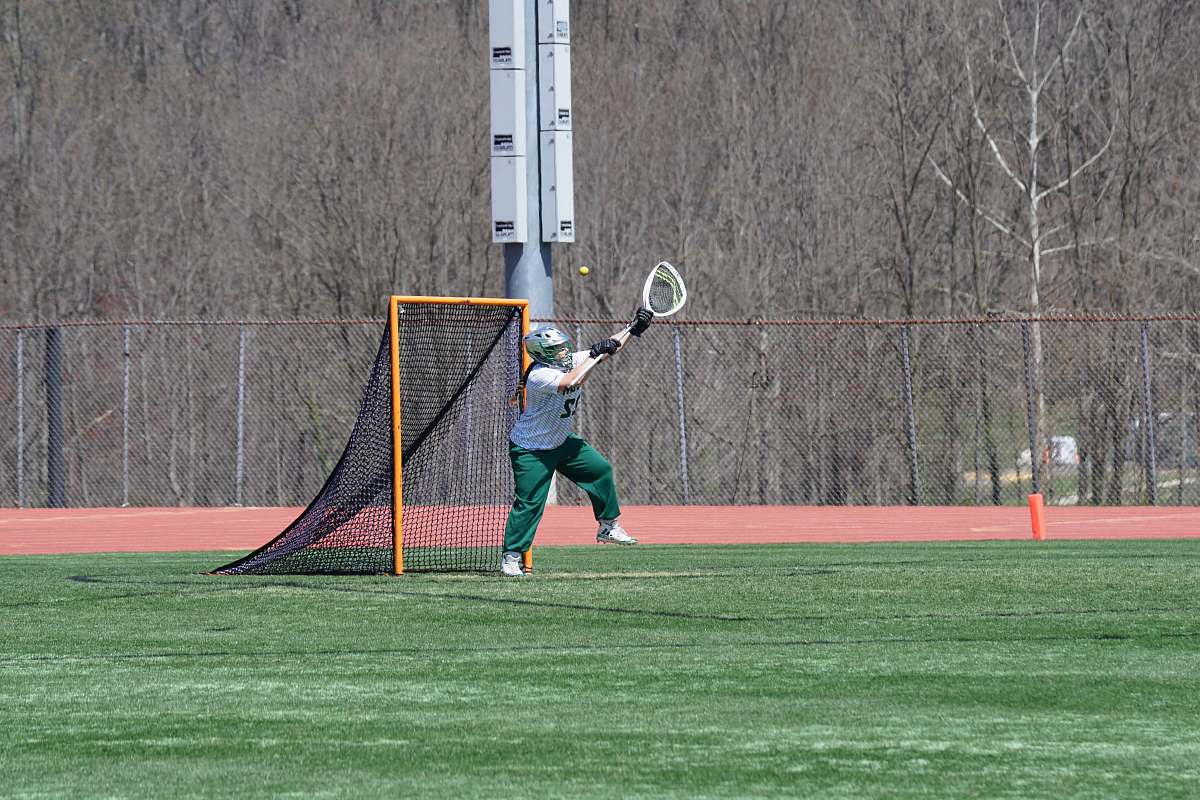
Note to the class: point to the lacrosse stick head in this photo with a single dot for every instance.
(664, 292)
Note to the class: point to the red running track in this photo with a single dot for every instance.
(98, 530)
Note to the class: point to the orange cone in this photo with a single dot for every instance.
(1037, 515)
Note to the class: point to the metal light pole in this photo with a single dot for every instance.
(532, 185)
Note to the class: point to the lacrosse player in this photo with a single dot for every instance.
(542, 443)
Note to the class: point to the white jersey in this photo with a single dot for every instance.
(548, 414)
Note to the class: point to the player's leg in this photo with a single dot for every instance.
(583, 465)
(532, 471)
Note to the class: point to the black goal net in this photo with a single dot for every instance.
(459, 366)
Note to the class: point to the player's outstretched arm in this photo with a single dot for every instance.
(579, 375)
(605, 348)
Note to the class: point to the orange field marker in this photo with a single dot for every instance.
(1037, 515)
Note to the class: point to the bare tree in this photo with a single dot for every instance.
(1027, 144)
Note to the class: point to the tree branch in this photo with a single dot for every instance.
(1008, 39)
(1052, 250)
(1062, 51)
(983, 129)
(1049, 232)
(1000, 226)
(1080, 168)
(1178, 261)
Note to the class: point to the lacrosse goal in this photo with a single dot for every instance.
(424, 484)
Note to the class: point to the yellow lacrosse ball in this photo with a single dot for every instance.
(584, 271)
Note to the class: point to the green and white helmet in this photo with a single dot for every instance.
(550, 346)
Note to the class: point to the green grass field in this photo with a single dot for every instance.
(1054, 670)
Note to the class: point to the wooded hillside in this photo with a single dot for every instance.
(294, 158)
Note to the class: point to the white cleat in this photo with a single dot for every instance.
(511, 566)
(612, 532)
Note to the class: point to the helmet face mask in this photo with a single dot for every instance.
(550, 346)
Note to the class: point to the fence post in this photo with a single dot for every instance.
(20, 419)
(683, 462)
(1148, 395)
(241, 416)
(56, 468)
(579, 409)
(978, 384)
(1192, 424)
(914, 497)
(1183, 434)
(124, 416)
(1031, 411)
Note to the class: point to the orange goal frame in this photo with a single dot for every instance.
(397, 424)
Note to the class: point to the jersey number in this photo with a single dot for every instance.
(569, 407)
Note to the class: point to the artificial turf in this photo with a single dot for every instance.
(1012, 669)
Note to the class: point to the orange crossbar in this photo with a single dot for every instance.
(460, 301)
(397, 438)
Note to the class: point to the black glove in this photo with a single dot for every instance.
(606, 347)
(641, 321)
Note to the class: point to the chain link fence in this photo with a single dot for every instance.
(965, 412)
